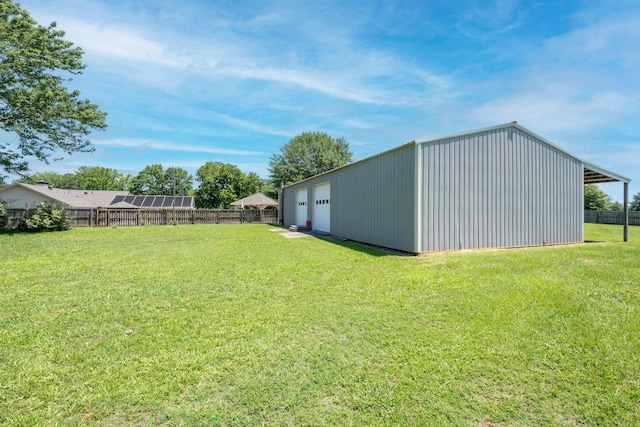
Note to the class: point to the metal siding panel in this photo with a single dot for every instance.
(501, 188)
(372, 201)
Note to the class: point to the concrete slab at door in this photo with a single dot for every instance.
(322, 207)
(301, 207)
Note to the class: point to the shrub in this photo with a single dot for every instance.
(4, 215)
(46, 217)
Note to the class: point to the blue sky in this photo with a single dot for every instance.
(184, 83)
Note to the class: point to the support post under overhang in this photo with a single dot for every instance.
(625, 212)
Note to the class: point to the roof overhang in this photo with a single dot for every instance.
(596, 175)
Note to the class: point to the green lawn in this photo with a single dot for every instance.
(236, 325)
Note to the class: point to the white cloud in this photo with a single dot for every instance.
(119, 42)
(601, 42)
(579, 80)
(491, 18)
(245, 124)
(549, 109)
(340, 69)
(165, 146)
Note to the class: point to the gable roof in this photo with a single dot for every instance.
(71, 198)
(257, 200)
(592, 173)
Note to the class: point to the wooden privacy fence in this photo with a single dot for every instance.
(611, 217)
(133, 217)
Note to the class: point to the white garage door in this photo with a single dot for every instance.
(301, 207)
(322, 207)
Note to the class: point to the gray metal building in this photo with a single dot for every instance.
(496, 187)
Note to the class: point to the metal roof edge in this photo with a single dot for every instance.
(471, 132)
(353, 163)
(606, 172)
(513, 124)
(523, 129)
(585, 163)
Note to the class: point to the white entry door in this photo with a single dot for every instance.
(322, 207)
(301, 207)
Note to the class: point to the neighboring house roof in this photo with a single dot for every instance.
(151, 202)
(28, 195)
(258, 200)
(70, 198)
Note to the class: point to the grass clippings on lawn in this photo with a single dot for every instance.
(235, 325)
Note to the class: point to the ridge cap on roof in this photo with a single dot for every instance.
(529, 132)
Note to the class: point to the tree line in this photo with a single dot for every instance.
(597, 200)
(219, 184)
(47, 118)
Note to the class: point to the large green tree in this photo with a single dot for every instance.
(85, 178)
(149, 180)
(35, 106)
(57, 180)
(306, 155)
(101, 178)
(223, 183)
(154, 180)
(635, 203)
(178, 180)
(595, 199)
(269, 188)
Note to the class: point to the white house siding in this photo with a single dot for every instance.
(499, 188)
(22, 198)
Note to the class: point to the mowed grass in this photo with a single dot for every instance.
(236, 325)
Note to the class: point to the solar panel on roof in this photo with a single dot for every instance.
(186, 202)
(137, 201)
(148, 200)
(117, 199)
(129, 199)
(157, 202)
(167, 202)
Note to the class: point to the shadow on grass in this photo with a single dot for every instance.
(365, 248)
(12, 231)
(9, 231)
